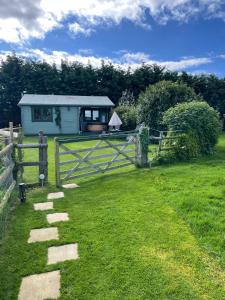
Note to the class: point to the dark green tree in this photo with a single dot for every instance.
(11, 88)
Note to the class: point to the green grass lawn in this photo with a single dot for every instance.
(142, 234)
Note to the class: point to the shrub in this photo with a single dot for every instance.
(128, 116)
(200, 124)
(158, 98)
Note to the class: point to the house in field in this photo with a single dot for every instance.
(59, 114)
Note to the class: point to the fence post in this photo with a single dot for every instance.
(20, 155)
(57, 174)
(9, 158)
(11, 131)
(6, 141)
(160, 143)
(43, 156)
(142, 147)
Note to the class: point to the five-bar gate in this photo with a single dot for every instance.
(86, 156)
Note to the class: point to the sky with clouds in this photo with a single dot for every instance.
(177, 34)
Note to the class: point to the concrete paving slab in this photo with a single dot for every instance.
(43, 206)
(40, 286)
(71, 186)
(57, 195)
(43, 234)
(62, 253)
(57, 217)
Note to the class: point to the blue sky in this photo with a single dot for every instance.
(180, 34)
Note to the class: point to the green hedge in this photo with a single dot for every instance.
(201, 126)
(158, 98)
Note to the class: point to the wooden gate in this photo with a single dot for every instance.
(86, 156)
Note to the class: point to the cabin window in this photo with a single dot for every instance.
(95, 115)
(87, 115)
(41, 114)
(103, 116)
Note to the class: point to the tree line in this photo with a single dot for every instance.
(39, 77)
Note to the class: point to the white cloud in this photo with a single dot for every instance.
(133, 60)
(21, 20)
(77, 29)
(85, 51)
(185, 63)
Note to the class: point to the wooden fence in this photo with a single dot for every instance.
(41, 163)
(165, 141)
(12, 163)
(7, 163)
(107, 152)
(7, 183)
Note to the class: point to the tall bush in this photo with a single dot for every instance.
(128, 116)
(158, 98)
(199, 122)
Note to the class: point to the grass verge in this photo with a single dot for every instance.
(142, 234)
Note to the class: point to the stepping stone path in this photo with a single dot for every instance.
(57, 217)
(70, 186)
(43, 206)
(47, 285)
(43, 234)
(57, 195)
(62, 253)
(40, 286)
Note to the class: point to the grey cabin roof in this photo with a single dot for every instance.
(64, 100)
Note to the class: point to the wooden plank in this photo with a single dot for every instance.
(89, 149)
(109, 154)
(121, 152)
(78, 139)
(118, 136)
(29, 164)
(6, 150)
(22, 146)
(93, 157)
(43, 157)
(11, 131)
(105, 163)
(97, 172)
(84, 159)
(81, 150)
(57, 169)
(7, 195)
(116, 155)
(90, 158)
(97, 137)
(20, 154)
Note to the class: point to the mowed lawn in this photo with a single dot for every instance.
(141, 234)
